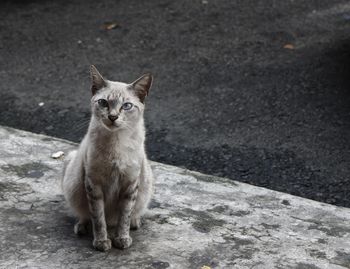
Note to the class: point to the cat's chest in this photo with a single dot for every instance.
(115, 161)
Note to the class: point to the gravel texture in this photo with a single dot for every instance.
(257, 91)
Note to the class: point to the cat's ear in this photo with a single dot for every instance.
(97, 81)
(142, 85)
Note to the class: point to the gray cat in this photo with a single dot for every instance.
(108, 180)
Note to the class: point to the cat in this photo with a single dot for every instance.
(108, 180)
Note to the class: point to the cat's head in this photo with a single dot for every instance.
(118, 105)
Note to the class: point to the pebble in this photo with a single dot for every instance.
(57, 155)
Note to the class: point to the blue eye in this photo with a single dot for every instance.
(127, 106)
(103, 102)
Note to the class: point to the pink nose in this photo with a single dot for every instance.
(112, 117)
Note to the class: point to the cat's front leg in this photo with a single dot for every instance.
(96, 207)
(127, 202)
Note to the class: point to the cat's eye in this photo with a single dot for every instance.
(103, 102)
(127, 106)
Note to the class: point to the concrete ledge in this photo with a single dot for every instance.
(195, 220)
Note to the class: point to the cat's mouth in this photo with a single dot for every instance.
(114, 125)
(111, 125)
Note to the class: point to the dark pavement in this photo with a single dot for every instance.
(228, 98)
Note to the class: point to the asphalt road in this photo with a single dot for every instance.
(229, 98)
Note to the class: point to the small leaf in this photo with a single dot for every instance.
(110, 25)
(289, 46)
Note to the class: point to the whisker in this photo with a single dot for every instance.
(81, 126)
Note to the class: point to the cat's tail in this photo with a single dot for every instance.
(67, 160)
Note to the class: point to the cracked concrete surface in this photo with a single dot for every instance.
(194, 220)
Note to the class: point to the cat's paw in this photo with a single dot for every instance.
(80, 229)
(135, 223)
(122, 242)
(102, 245)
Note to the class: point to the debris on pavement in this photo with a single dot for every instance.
(57, 155)
(289, 46)
(110, 25)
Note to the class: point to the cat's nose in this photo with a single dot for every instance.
(112, 117)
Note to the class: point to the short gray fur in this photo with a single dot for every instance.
(194, 220)
(108, 180)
